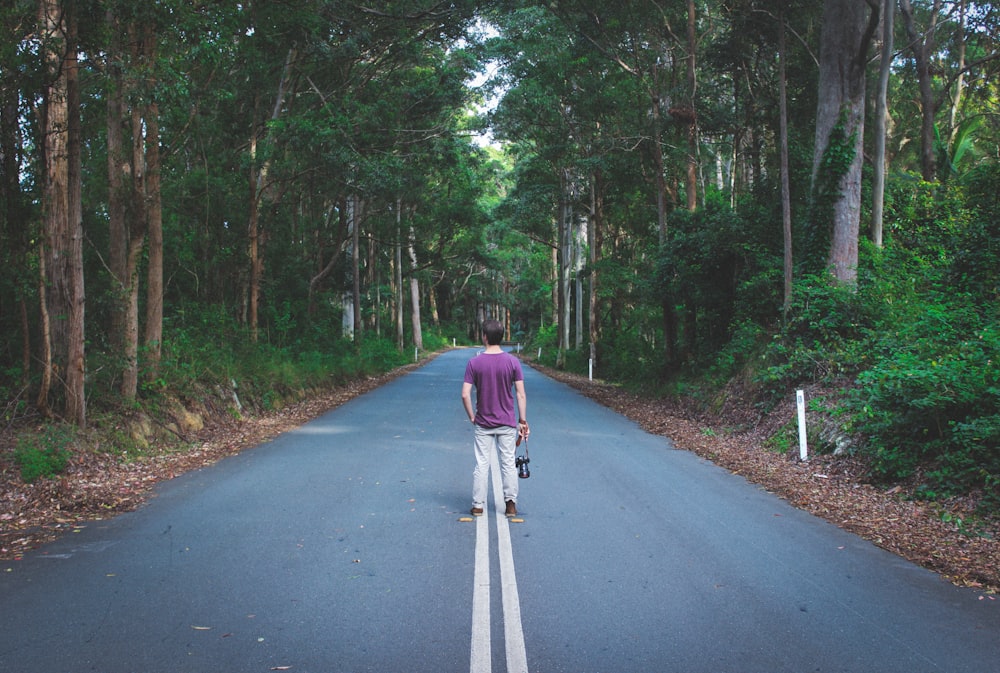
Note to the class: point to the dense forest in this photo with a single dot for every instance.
(253, 199)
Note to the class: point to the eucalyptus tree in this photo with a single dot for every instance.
(846, 37)
(62, 301)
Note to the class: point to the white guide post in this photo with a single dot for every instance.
(800, 402)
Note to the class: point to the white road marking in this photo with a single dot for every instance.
(517, 661)
(481, 658)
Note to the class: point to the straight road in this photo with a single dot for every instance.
(341, 547)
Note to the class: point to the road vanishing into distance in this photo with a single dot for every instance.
(345, 546)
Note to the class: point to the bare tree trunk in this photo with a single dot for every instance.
(845, 38)
(594, 241)
(922, 47)
(418, 338)
(956, 101)
(258, 185)
(691, 187)
(356, 267)
(253, 236)
(154, 273)
(786, 198)
(882, 122)
(565, 255)
(45, 338)
(398, 275)
(119, 170)
(349, 320)
(61, 202)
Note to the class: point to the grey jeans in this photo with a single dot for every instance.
(503, 439)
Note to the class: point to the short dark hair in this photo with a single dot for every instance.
(493, 331)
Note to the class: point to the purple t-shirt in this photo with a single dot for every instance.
(493, 375)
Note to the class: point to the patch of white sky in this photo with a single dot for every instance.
(482, 82)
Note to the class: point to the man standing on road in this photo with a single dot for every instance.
(495, 373)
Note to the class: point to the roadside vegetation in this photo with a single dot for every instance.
(212, 213)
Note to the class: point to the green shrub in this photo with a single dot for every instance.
(932, 403)
(45, 454)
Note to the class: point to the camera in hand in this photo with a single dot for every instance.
(522, 466)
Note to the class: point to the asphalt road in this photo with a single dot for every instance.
(341, 547)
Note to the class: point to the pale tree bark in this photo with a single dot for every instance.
(564, 267)
(922, 47)
(45, 338)
(956, 100)
(61, 205)
(258, 186)
(881, 120)
(595, 235)
(154, 273)
(126, 196)
(136, 233)
(786, 197)
(418, 338)
(356, 267)
(692, 129)
(153, 337)
(397, 275)
(844, 41)
(348, 319)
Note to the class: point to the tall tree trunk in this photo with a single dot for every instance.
(61, 202)
(253, 239)
(786, 197)
(356, 267)
(595, 234)
(956, 100)
(691, 186)
(565, 262)
(845, 38)
(349, 320)
(397, 276)
(119, 172)
(45, 338)
(135, 241)
(879, 162)
(153, 338)
(258, 185)
(418, 338)
(922, 47)
(154, 273)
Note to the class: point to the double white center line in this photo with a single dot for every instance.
(482, 658)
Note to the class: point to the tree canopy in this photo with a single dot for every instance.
(312, 178)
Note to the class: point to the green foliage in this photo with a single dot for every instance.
(45, 454)
(823, 338)
(932, 401)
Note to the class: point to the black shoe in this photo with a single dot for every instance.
(476, 511)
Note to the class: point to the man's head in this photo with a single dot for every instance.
(493, 331)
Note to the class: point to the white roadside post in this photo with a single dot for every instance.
(800, 402)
